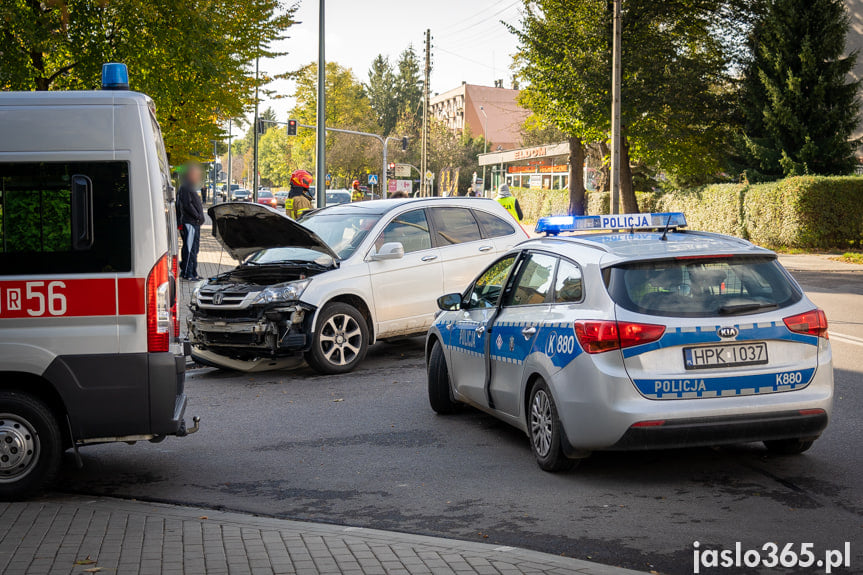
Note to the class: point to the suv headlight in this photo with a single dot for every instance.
(197, 290)
(284, 292)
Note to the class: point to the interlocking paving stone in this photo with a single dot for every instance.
(49, 535)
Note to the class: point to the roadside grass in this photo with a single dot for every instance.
(850, 258)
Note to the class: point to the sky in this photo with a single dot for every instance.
(469, 42)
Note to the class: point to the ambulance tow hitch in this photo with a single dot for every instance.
(183, 432)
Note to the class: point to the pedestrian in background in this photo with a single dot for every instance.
(204, 194)
(191, 219)
(505, 198)
(399, 194)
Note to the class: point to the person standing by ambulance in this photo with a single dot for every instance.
(299, 199)
(191, 219)
(505, 198)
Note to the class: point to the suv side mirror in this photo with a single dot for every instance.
(389, 251)
(449, 302)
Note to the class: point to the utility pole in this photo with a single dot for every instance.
(228, 185)
(485, 144)
(255, 139)
(321, 122)
(615, 111)
(424, 162)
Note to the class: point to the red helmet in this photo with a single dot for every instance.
(301, 179)
(356, 184)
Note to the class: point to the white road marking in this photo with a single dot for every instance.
(846, 338)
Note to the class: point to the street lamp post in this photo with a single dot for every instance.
(321, 122)
(485, 143)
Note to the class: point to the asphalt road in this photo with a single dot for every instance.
(365, 449)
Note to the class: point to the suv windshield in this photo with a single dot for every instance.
(699, 287)
(342, 232)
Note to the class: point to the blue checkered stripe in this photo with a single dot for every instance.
(698, 386)
(773, 330)
(452, 340)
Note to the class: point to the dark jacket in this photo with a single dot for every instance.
(190, 207)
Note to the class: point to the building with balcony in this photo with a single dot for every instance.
(461, 110)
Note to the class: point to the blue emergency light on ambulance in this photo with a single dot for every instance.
(115, 76)
(554, 225)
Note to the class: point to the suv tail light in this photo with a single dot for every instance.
(159, 320)
(808, 323)
(601, 336)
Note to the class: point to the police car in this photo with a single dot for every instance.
(635, 334)
(89, 336)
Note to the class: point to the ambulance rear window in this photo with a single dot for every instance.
(64, 218)
(702, 287)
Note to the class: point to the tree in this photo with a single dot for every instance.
(191, 56)
(381, 90)
(800, 107)
(408, 84)
(348, 157)
(675, 111)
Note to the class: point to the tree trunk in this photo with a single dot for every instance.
(576, 177)
(627, 193)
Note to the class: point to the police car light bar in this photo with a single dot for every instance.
(115, 76)
(554, 225)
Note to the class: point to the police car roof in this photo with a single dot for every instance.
(625, 246)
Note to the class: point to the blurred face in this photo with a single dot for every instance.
(195, 175)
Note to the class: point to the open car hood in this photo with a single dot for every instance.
(243, 228)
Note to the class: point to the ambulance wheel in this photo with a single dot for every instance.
(544, 429)
(788, 446)
(31, 445)
(340, 341)
(439, 389)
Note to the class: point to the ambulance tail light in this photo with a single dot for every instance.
(159, 321)
(808, 323)
(175, 317)
(602, 336)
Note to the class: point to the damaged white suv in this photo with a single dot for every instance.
(325, 288)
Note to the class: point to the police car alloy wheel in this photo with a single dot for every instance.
(340, 341)
(544, 429)
(439, 389)
(30, 445)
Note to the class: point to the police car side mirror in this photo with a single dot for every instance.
(389, 251)
(449, 302)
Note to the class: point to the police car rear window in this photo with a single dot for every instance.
(702, 287)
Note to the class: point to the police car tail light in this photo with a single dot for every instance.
(159, 320)
(808, 323)
(602, 336)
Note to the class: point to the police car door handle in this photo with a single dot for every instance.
(528, 332)
(429, 258)
(480, 330)
(485, 248)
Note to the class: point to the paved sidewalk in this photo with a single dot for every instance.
(76, 534)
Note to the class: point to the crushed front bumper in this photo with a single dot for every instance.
(268, 333)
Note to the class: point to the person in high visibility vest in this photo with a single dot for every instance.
(357, 194)
(505, 198)
(299, 200)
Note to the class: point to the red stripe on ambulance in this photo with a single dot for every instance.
(71, 297)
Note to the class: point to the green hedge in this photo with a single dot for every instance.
(807, 212)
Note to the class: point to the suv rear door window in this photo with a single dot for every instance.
(492, 226)
(701, 287)
(64, 218)
(454, 226)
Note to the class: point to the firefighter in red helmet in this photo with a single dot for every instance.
(299, 200)
(357, 194)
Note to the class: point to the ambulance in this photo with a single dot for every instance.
(89, 334)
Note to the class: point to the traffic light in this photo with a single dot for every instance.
(404, 144)
(292, 127)
(391, 170)
(259, 127)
